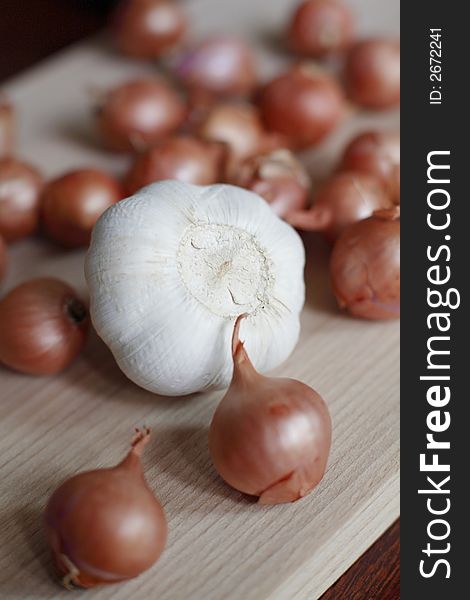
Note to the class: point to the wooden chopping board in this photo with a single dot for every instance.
(221, 546)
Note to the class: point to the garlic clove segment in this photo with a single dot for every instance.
(171, 268)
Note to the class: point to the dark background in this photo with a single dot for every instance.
(30, 31)
(33, 29)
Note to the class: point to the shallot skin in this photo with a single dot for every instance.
(106, 526)
(279, 178)
(219, 66)
(239, 126)
(342, 200)
(304, 104)
(139, 113)
(365, 267)
(320, 27)
(183, 158)
(376, 153)
(372, 73)
(43, 327)
(20, 189)
(7, 128)
(148, 28)
(3, 258)
(72, 203)
(269, 437)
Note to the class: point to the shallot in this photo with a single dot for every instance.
(3, 257)
(342, 200)
(139, 113)
(304, 104)
(218, 66)
(365, 266)
(279, 178)
(183, 158)
(237, 125)
(72, 203)
(20, 189)
(43, 326)
(376, 153)
(106, 526)
(148, 28)
(320, 27)
(373, 73)
(269, 437)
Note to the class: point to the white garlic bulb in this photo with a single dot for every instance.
(171, 268)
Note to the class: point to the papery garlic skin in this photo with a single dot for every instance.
(171, 268)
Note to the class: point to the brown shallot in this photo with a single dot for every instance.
(320, 27)
(373, 73)
(3, 258)
(269, 437)
(218, 66)
(342, 200)
(304, 104)
(365, 266)
(183, 158)
(148, 28)
(139, 113)
(72, 203)
(106, 526)
(43, 326)
(376, 153)
(279, 178)
(20, 189)
(239, 126)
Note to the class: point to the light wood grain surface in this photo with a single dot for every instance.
(222, 546)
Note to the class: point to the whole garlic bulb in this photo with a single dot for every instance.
(171, 268)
